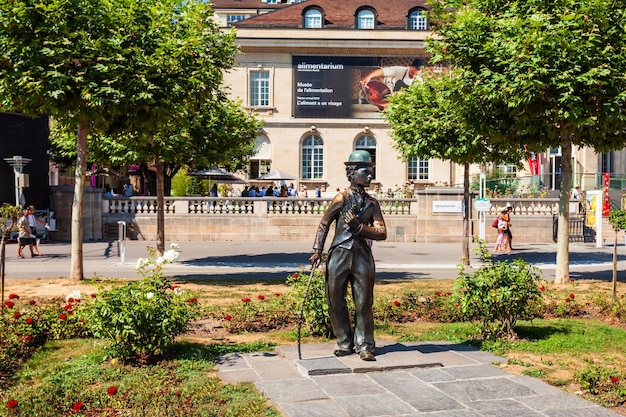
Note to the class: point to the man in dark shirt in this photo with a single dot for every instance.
(358, 220)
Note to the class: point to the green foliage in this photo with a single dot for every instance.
(499, 294)
(617, 218)
(257, 313)
(180, 183)
(8, 216)
(140, 319)
(194, 187)
(64, 373)
(316, 318)
(605, 383)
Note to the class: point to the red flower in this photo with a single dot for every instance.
(29, 320)
(192, 301)
(261, 297)
(32, 302)
(296, 275)
(567, 300)
(68, 307)
(227, 317)
(572, 296)
(17, 315)
(63, 316)
(70, 300)
(276, 294)
(12, 403)
(177, 393)
(396, 303)
(9, 304)
(614, 379)
(78, 406)
(457, 305)
(14, 297)
(542, 288)
(437, 294)
(389, 307)
(93, 295)
(246, 300)
(111, 391)
(29, 337)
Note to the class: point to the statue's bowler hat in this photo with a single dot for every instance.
(360, 158)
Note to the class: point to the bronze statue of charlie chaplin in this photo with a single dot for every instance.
(359, 220)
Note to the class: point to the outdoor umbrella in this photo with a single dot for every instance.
(217, 175)
(276, 175)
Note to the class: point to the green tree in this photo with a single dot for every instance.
(434, 119)
(551, 73)
(617, 218)
(112, 68)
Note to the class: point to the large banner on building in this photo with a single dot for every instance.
(348, 87)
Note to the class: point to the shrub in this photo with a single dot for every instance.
(604, 383)
(141, 318)
(316, 310)
(498, 295)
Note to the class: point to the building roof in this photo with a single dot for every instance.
(391, 14)
(246, 4)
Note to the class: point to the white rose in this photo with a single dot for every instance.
(171, 255)
(150, 295)
(160, 260)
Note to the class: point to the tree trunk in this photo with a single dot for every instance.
(562, 244)
(160, 182)
(76, 263)
(465, 260)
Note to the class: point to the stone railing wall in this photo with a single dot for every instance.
(419, 219)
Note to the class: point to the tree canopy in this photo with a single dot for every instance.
(147, 70)
(550, 73)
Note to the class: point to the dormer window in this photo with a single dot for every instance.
(366, 19)
(418, 19)
(313, 18)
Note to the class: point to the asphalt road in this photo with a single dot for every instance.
(252, 261)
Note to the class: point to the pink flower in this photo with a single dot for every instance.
(12, 403)
(261, 297)
(437, 294)
(71, 300)
(111, 391)
(389, 307)
(14, 297)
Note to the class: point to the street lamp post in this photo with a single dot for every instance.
(18, 163)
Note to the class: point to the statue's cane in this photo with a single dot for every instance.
(306, 293)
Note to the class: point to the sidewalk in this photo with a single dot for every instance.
(275, 260)
(407, 379)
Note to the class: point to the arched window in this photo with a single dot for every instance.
(312, 157)
(367, 143)
(366, 19)
(418, 20)
(313, 18)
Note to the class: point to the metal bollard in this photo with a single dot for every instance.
(121, 242)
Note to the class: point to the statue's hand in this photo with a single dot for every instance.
(351, 220)
(315, 259)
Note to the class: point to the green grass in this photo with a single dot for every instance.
(63, 373)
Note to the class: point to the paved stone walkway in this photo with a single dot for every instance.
(407, 379)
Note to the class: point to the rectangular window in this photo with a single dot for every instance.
(419, 169)
(312, 163)
(418, 21)
(232, 18)
(508, 170)
(259, 89)
(366, 22)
